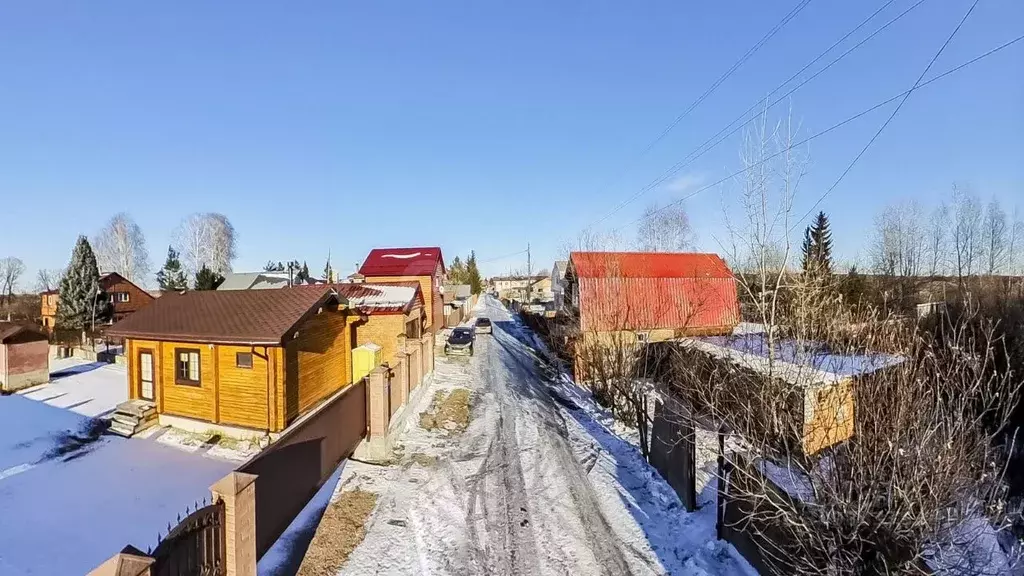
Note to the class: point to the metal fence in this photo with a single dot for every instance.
(673, 450)
(195, 547)
(292, 469)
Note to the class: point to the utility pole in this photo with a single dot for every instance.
(529, 275)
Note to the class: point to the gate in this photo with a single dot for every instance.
(195, 547)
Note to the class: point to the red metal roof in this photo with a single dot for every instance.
(402, 262)
(691, 293)
(649, 265)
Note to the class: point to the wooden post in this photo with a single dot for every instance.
(238, 491)
(722, 479)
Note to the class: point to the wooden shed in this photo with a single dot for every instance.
(388, 311)
(24, 356)
(245, 360)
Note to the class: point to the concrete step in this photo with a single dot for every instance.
(139, 408)
(128, 426)
(121, 429)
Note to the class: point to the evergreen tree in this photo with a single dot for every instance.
(172, 277)
(457, 272)
(207, 279)
(328, 271)
(476, 283)
(80, 298)
(272, 266)
(817, 247)
(302, 274)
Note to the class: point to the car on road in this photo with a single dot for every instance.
(483, 326)
(460, 341)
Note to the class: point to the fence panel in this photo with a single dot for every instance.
(195, 547)
(292, 469)
(673, 452)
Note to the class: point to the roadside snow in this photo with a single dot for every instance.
(87, 388)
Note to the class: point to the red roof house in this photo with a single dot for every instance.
(425, 265)
(665, 295)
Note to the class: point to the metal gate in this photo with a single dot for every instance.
(195, 547)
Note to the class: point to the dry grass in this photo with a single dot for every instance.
(424, 460)
(340, 531)
(448, 411)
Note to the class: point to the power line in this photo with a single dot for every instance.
(834, 127)
(504, 257)
(916, 85)
(703, 148)
(725, 76)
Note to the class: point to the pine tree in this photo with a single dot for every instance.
(817, 247)
(476, 284)
(207, 279)
(80, 298)
(272, 266)
(302, 275)
(457, 271)
(172, 277)
(328, 271)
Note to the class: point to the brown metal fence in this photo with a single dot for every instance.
(195, 547)
(292, 469)
(673, 451)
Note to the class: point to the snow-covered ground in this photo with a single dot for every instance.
(70, 496)
(540, 483)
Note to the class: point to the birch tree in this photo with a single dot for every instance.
(938, 240)
(996, 233)
(898, 247)
(11, 269)
(48, 279)
(121, 247)
(665, 229)
(968, 247)
(206, 239)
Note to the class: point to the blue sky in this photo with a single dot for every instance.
(472, 125)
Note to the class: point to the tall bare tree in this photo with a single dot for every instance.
(996, 233)
(665, 229)
(898, 248)
(1016, 244)
(968, 245)
(48, 279)
(206, 239)
(938, 240)
(11, 269)
(121, 247)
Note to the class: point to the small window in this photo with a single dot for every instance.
(187, 372)
(121, 297)
(643, 337)
(243, 359)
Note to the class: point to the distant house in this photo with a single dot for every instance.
(24, 356)
(125, 297)
(457, 301)
(518, 287)
(653, 296)
(424, 265)
(558, 283)
(238, 360)
(261, 281)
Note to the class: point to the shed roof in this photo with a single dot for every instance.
(649, 265)
(28, 332)
(381, 297)
(260, 317)
(402, 262)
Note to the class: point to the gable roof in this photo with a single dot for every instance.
(649, 265)
(402, 262)
(258, 317)
(381, 297)
(30, 332)
(559, 269)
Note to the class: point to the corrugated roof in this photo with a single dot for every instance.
(238, 280)
(649, 265)
(229, 317)
(402, 262)
(382, 297)
(693, 305)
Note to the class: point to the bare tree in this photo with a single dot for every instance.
(968, 245)
(996, 233)
(206, 239)
(665, 229)
(898, 248)
(11, 269)
(121, 247)
(1016, 244)
(938, 240)
(48, 279)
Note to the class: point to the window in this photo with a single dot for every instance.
(187, 372)
(643, 337)
(243, 359)
(121, 297)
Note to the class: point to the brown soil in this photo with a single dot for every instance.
(448, 411)
(340, 531)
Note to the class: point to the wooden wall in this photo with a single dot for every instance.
(383, 330)
(318, 362)
(432, 299)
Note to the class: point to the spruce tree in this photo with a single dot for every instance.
(80, 296)
(457, 271)
(476, 284)
(302, 276)
(817, 247)
(328, 271)
(207, 279)
(171, 277)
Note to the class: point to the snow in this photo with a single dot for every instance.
(71, 497)
(974, 548)
(541, 482)
(816, 355)
(404, 256)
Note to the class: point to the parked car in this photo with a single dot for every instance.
(460, 341)
(483, 326)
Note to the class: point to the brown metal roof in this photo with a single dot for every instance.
(263, 317)
(10, 329)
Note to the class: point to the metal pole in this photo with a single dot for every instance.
(720, 503)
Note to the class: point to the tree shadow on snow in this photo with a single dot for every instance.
(80, 369)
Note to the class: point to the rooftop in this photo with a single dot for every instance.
(402, 262)
(649, 265)
(381, 298)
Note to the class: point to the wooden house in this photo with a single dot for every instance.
(125, 298)
(24, 356)
(423, 265)
(239, 360)
(388, 313)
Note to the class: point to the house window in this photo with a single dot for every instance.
(121, 297)
(243, 359)
(643, 337)
(187, 372)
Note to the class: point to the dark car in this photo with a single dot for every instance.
(460, 341)
(483, 326)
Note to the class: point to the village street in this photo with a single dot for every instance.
(534, 485)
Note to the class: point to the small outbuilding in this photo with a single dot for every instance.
(24, 356)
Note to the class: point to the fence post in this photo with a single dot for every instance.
(720, 500)
(427, 355)
(238, 492)
(415, 367)
(128, 562)
(379, 399)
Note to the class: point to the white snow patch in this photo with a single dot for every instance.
(405, 256)
(86, 388)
